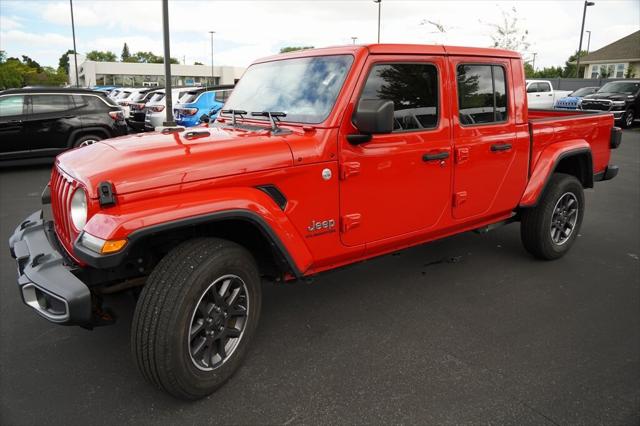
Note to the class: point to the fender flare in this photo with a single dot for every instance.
(259, 210)
(547, 164)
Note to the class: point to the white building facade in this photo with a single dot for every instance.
(127, 74)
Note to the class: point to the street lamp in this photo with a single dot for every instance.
(584, 15)
(213, 81)
(167, 66)
(534, 60)
(379, 6)
(588, 41)
(75, 52)
(354, 39)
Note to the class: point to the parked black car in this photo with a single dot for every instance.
(621, 97)
(42, 122)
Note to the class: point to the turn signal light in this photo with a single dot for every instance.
(112, 246)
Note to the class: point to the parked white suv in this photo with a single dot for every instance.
(541, 95)
(129, 96)
(155, 108)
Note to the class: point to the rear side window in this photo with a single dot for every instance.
(482, 94)
(11, 105)
(188, 97)
(222, 96)
(89, 103)
(544, 87)
(157, 97)
(44, 104)
(413, 88)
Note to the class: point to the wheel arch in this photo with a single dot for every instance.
(94, 130)
(576, 161)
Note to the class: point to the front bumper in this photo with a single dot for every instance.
(45, 278)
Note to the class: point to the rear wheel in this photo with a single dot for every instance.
(549, 230)
(86, 140)
(196, 316)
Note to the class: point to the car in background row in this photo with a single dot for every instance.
(198, 103)
(155, 108)
(137, 111)
(130, 96)
(574, 98)
(43, 122)
(542, 95)
(621, 97)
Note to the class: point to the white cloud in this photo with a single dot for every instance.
(9, 23)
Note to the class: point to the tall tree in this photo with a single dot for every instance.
(63, 62)
(99, 56)
(125, 53)
(570, 65)
(31, 63)
(150, 58)
(508, 34)
(294, 48)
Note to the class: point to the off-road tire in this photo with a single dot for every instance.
(165, 310)
(627, 118)
(86, 140)
(535, 227)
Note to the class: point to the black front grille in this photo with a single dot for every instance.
(596, 105)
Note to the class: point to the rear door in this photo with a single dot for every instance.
(490, 169)
(398, 183)
(50, 120)
(13, 141)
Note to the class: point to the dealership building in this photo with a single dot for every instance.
(127, 74)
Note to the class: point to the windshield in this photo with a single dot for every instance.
(138, 97)
(620, 87)
(583, 92)
(303, 88)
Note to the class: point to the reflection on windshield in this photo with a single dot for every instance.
(619, 87)
(303, 88)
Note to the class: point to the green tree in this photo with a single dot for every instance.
(125, 53)
(3, 56)
(631, 72)
(99, 56)
(198, 63)
(63, 62)
(31, 63)
(570, 65)
(150, 58)
(288, 49)
(17, 73)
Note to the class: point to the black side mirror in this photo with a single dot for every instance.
(204, 118)
(374, 116)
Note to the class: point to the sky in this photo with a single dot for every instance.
(247, 30)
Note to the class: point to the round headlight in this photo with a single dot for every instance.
(79, 209)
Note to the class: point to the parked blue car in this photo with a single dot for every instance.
(193, 105)
(574, 98)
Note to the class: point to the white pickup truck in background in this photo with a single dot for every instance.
(540, 94)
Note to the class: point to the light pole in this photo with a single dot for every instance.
(534, 60)
(354, 39)
(75, 52)
(213, 80)
(588, 41)
(379, 7)
(167, 66)
(584, 15)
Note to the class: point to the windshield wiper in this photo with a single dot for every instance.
(273, 116)
(233, 113)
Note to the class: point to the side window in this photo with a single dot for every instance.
(89, 103)
(11, 106)
(45, 104)
(482, 94)
(533, 88)
(544, 87)
(413, 88)
(219, 97)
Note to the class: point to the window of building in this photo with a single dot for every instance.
(11, 105)
(594, 71)
(413, 88)
(45, 104)
(482, 94)
(619, 70)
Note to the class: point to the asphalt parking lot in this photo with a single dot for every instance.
(467, 330)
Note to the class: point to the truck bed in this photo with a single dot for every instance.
(548, 127)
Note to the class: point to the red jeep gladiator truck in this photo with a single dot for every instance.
(321, 158)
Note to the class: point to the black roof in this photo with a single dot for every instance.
(48, 90)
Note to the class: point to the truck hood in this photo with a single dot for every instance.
(151, 160)
(608, 96)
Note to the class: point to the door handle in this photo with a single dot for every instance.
(537, 96)
(500, 147)
(437, 156)
(14, 122)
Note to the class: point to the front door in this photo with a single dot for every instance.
(13, 142)
(400, 182)
(491, 163)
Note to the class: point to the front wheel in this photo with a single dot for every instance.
(627, 118)
(196, 316)
(549, 229)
